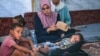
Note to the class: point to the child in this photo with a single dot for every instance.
(10, 45)
(59, 7)
(69, 47)
(26, 32)
(66, 42)
(19, 19)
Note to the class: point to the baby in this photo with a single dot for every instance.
(65, 42)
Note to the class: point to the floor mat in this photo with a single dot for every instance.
(91, 32)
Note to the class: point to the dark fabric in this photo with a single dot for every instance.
(42, 34)
(75, 48)
(71, 32)
(80, 53)
(0, 43)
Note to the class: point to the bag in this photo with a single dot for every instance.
(62, 26)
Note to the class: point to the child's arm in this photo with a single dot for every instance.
(29, 41)
(22, 48)
(57, 43)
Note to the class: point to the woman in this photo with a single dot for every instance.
(45, 21)
(59, 7)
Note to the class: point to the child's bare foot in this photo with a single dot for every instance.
(45, 49)
(32, 53)
(35, 50)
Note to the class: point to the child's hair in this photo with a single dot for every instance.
(14, 25)
(81, 36)
(20, 20)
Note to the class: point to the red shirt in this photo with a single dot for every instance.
(6, 48)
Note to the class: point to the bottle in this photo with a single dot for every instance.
(33, 37)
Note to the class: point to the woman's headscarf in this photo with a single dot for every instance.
(47, 20)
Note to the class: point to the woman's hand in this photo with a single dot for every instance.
(62, 35)
(52, 28)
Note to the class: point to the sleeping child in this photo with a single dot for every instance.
(65, 42)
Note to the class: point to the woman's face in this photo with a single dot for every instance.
(55, 2)
(46, 9)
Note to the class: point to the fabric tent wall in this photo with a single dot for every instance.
(75, 5)
(9, 8)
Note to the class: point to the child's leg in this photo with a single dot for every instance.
(26, 45)
(18, 53)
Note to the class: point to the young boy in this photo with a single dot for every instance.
(19, 19)
(26, 32)
(10, 45)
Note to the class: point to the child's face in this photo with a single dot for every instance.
(17, 32)
(56, 2)
(75, 38)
